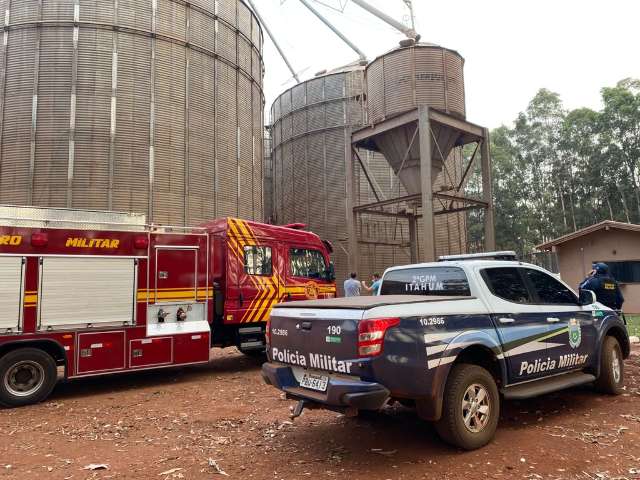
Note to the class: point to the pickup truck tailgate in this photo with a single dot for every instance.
(323, 334)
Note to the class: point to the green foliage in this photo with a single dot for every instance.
(557, 171)
(633, 324)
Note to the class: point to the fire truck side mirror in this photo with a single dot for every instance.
(330, 273)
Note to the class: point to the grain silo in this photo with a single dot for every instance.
(311, 126)
(404, 78)
(416, 120)
(150, 106)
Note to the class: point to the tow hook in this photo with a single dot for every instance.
(297, 410)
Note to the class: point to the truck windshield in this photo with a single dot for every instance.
(426, 281)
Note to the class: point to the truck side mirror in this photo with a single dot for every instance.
(331, 272)
(587, 297)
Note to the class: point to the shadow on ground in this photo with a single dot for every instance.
(121, 382)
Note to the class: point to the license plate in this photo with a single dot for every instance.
(314, 382)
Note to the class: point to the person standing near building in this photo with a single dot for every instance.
(352, 286)
(607, 290)
(374, 289)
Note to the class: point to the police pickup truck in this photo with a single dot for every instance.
(450, 337)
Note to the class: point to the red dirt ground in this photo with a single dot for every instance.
(167, 424)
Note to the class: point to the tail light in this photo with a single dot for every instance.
(371, 335)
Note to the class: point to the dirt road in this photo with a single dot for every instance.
(172, 424)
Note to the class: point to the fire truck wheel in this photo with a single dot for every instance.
(27, 376)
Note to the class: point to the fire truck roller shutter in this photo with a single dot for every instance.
(11, 288)
(86, 290)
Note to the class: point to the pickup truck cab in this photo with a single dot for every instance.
(450, 337)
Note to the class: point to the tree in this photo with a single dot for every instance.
(620, 138)
(556, 171)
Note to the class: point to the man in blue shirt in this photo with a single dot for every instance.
(375, 286)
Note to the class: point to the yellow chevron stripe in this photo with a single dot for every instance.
(246, 230)
(236, 228)
(268, 299)
(250, 309)
(233, 246)
(264, 292)
(247, 314)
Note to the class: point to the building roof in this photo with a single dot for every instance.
(606, 225)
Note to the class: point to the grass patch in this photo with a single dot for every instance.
(633, 324)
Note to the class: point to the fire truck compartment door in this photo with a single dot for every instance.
(86, 290)
(11, 287)
(100, 352)
(176, 274)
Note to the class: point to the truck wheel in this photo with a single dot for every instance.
(611, 368)
(27, 376)
(471, 407)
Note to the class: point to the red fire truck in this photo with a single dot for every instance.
(90, 293)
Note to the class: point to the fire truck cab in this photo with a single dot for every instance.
(86, 293)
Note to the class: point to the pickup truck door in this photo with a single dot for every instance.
(522, 326)
(572, 327)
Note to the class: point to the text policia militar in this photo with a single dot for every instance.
(316, 360)
(564, 361)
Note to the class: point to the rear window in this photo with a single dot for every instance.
(426, 281)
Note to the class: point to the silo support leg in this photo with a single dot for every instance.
(351, 215)
(487, 193)
(424, 126)
(413, 238)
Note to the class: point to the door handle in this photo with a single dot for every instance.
(306, 325)
(506, 320)
(553, 319)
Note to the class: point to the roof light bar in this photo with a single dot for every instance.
(501, 255)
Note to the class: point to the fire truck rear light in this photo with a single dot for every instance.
(141, 242)
(371, 335)
(39, 239)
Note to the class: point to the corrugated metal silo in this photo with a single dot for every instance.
(403, 79)
(310, 128)
(151, 106)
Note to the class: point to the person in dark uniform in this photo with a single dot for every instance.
(604, 286)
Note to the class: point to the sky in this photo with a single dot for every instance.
(512, 48)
